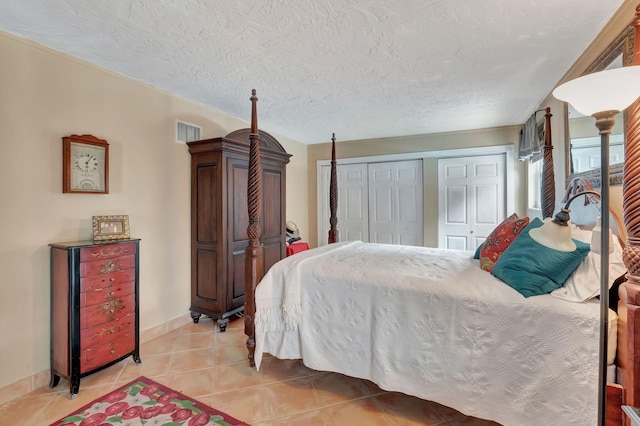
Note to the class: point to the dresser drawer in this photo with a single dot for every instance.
(99, 355)
(107, 266)
(106, 294)
(90, 254)
(104, 333)
(97, 282)
(105, 312)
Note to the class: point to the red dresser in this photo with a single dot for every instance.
(94, 307)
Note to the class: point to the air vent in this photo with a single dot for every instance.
(186, 132)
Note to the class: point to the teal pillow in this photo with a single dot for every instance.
(533, 269)
(477, 254)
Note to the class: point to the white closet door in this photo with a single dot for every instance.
(471, 199)
(395, 203)
(353, 213)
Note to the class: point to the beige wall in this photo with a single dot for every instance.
(44, 96)
(410, 144)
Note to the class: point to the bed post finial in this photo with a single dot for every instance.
(254, 259)
(548, 181)
(333, 194)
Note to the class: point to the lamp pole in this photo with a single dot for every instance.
(604, 122)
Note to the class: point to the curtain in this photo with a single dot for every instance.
(531, 139)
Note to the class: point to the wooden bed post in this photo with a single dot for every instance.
(548, 181)
(333, 194)
(254, 259)
(630, 291)
(629, 305)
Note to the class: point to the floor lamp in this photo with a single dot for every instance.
(602, 95)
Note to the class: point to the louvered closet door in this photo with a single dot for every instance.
(471, 199)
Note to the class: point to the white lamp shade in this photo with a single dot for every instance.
(609, 90)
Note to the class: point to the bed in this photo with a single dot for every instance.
(495, 351)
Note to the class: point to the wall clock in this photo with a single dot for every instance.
(85, 165)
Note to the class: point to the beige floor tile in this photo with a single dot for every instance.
(107, 376)
(292, 397)
(195, 359)
(159, 345)
(359, 412)
(192, 383)
(311, 418)
(13, 413)
(333, 388)
(196, 340)
(276, 370)
(235, 376)
(62, 387)
(233, 336)
(151, 366)
(231, 354)
(249, 405)
(205, 324)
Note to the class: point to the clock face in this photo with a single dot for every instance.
(86, 162)
(87, 167)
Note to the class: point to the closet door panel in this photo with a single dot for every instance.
(353, 204)
(395, 202)
(472, 199)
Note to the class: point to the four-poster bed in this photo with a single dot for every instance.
(490, 298)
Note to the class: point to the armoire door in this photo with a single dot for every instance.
(471, 199)
(271, 221)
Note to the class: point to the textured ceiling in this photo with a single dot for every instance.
(359, 68)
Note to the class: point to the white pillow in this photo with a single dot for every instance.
(584, 283)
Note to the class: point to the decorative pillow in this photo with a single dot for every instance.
(499, 239)
(477, 254)
(584, 283)
(532, 269)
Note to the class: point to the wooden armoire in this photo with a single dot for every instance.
(219, 219)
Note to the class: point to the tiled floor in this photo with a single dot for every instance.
(211, 367)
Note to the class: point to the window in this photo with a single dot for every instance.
(534, 188)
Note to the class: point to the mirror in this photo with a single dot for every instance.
(582, 146)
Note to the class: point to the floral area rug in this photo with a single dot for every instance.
(145, 402)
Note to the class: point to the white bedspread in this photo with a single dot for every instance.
(428, 322)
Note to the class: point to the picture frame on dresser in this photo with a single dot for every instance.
(109, 228)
